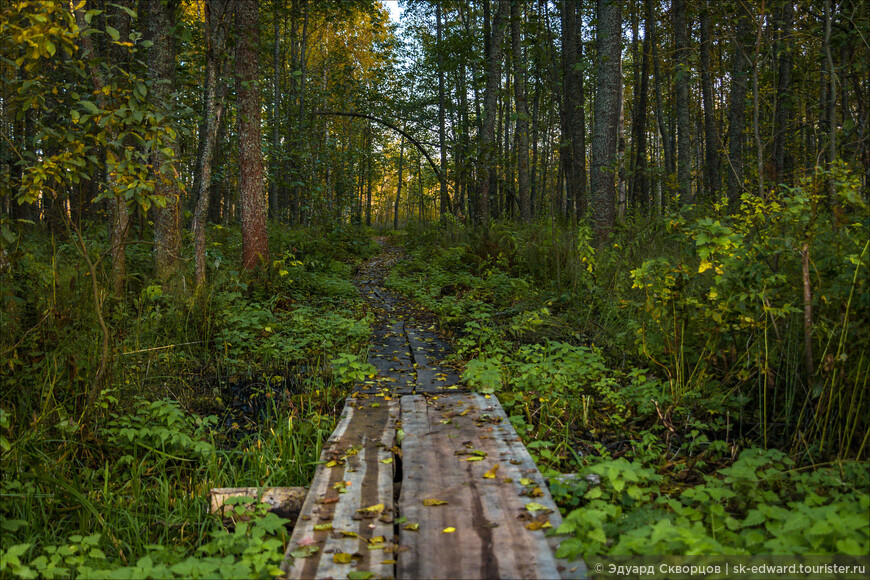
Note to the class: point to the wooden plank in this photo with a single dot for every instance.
(521, 458)
(391, 355)
(489, 515)
(356, 472)
(428, 350)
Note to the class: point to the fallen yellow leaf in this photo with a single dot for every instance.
(377, 508)
(433, 502)
(448, 530)
(538, 525)
(491, 473)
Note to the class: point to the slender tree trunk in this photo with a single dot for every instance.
(711, 147)
(255, 243)
(667, 145)
(522, 130)
(490, 105)
(573, 114)
(399, 185)
(832, 100)
(460, 157)
(161, 69)
(681, 82)
(442, 140)
(215, 34)
(117, 203)
(756, 108)
(275, 180)
(604, 145)
(369, 156)
(784, 105)
(736, 112)
(640, 192)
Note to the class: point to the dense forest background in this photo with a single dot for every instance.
(644, 222)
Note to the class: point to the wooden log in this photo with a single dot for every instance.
(285, 502)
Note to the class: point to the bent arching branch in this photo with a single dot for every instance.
(394, 128)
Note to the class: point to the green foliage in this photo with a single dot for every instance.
(253, 549)
(759, 505)
(109, 118)
(738, 285)
(132, 483)
(349, 369)
(161, 427)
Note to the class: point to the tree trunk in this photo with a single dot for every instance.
(782, 116)
(640, 184)
(522, 130)
(399, 185)
(736, 112)
(573, 115)
(442, 140)
(667, 145)
(275, 181)
(711, 146)
(681, 82)
(161, 69)
(255, 243)
(832, 100)
(369, 156)
(606, 117)
(215, 35)
(490, 105)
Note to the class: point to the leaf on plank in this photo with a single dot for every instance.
(491, 473)
(433, 502)
(538, 525)
(373, 509)
(305, 552)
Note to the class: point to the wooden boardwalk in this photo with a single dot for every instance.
(421, 478)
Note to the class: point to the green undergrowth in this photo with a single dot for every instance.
(667, 368)
(236, 384)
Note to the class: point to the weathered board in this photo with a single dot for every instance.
(390, 354)
(355, 473)
(428, 351)
(486, 527)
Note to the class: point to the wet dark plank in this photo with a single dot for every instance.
(391, 355)
(428, 351)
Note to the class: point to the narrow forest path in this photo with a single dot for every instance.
(422, 478)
